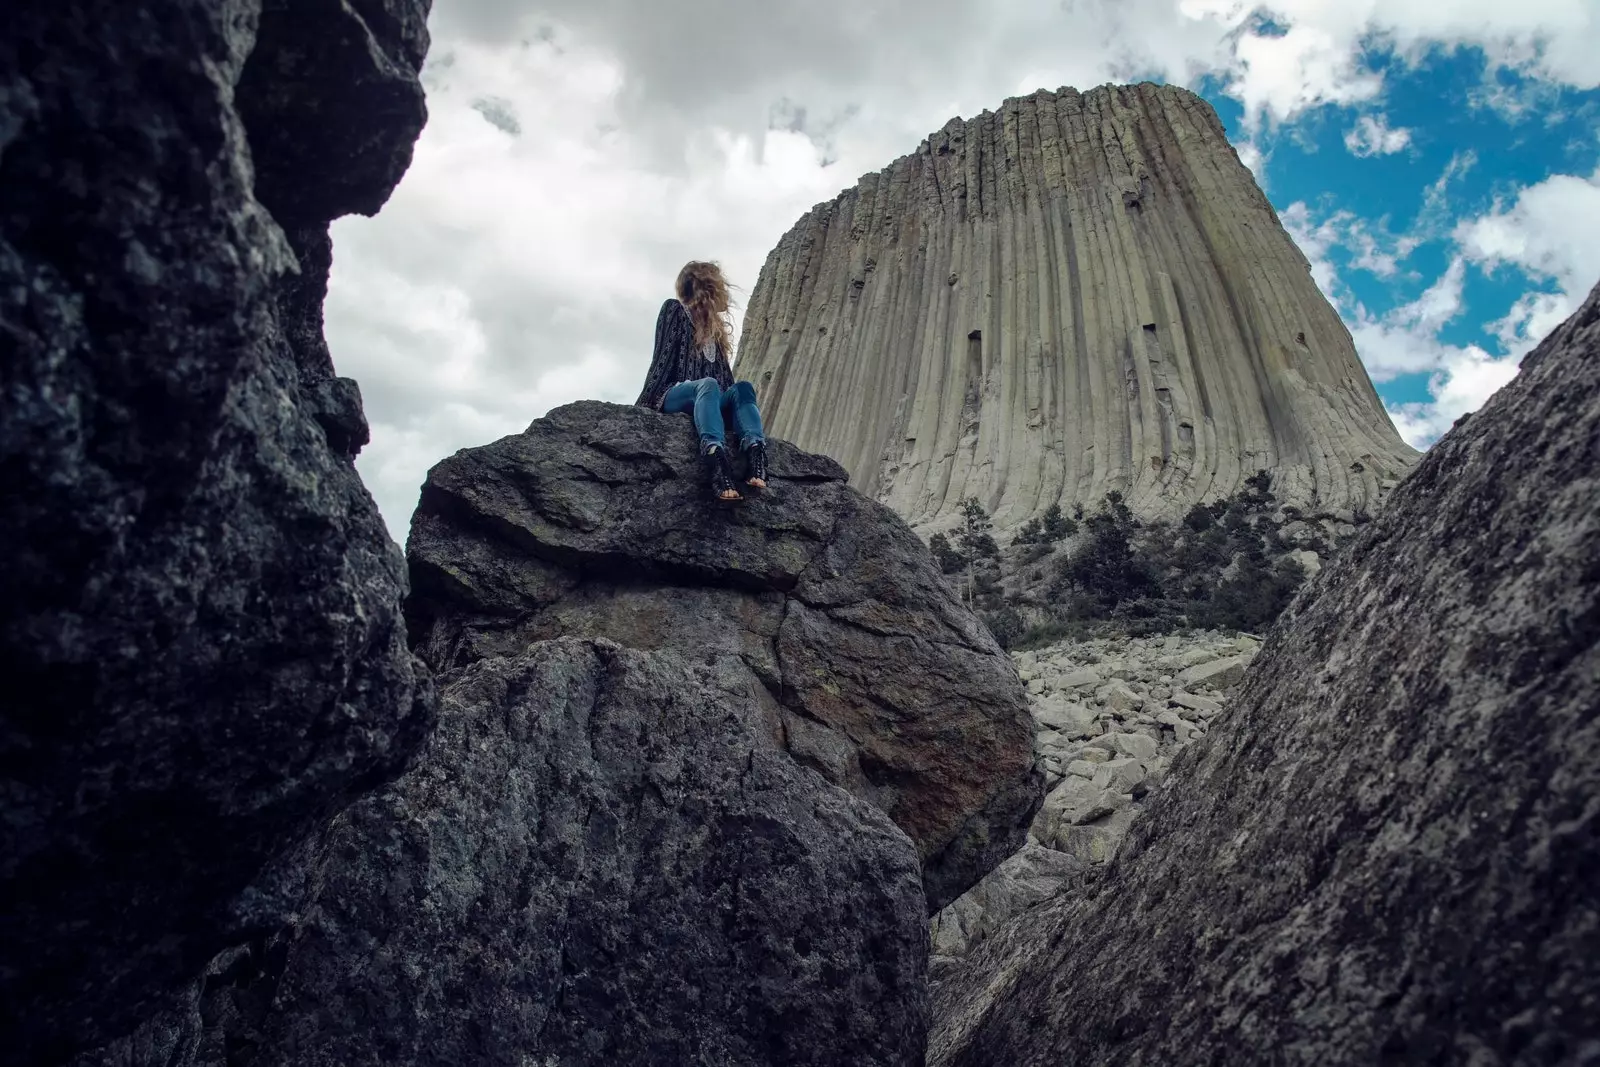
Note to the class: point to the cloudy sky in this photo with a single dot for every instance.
(1437, 160)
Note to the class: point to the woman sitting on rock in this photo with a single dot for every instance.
(690, 372)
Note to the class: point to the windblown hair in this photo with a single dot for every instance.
(704, 292)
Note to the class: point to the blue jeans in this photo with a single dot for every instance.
(712, 405)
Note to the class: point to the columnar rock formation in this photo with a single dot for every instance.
(1384, 851)
(1079, 293)
(200, 612)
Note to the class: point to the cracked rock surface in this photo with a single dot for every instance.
(597, 859)
(595, 521)
(696, 773)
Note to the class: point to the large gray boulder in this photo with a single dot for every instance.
(1386, 850)
(598, 859)
(596, 521)
(200, 626)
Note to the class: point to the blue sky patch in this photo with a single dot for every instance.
(1389, 200)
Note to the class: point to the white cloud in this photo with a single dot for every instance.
(1373, 136)
(1552, 232)
(579, 151)
(1405, 340)
(1293, 55)
(1255, 160)
(1464, 381)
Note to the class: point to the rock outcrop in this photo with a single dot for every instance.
(598, 858)
(200, 621)
(594, 522)
(694, 770)
(1078, 293)
(1385, 849)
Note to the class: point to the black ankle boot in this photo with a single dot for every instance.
(756, 454)
(720, 470)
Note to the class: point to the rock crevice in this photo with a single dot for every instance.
(1384, 848)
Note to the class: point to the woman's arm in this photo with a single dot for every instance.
(666, 360)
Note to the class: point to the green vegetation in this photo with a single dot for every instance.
(973, 550)
(1047, 531)
(1222, 567)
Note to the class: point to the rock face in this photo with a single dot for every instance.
(1079, 293)
(200, 622)
(598, 858)
(1385, 849)
(595, 522)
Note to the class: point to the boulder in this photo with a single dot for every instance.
(598, 858)
(1123, 699)
(1072, 721)
(1193, 702)
(1139, 746)
(1308, 560)
(1083, 678)
(1023, 880)
(200, 622)
(1213, 674)
(596, 521)
(1385, 852)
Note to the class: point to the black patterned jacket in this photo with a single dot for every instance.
(677, 359)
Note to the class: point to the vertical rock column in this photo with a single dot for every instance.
(1078, 293)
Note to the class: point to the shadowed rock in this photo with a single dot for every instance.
(1385, 852)
(200, 623)
(596, 521)
(597, 859)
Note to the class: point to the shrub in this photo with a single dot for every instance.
(1252, 598)
(1007, 625)
(1033, 554)
(950, 561)
(1057, 527)
(1106, 570)
(1214, 569)
(974, 537)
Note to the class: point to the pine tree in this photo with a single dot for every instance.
(975, 539)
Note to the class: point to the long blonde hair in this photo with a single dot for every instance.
(704, 292)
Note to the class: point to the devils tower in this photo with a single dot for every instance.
(1081, 292)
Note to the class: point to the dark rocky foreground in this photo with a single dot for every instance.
(595, 522)
(1386, 849)
(599, 858)
(200, 624)
(617, 845)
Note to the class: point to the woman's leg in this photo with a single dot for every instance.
(704, 399)
(740, 402)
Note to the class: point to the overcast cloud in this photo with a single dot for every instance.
(579, 151)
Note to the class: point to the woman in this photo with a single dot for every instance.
(690, 372)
